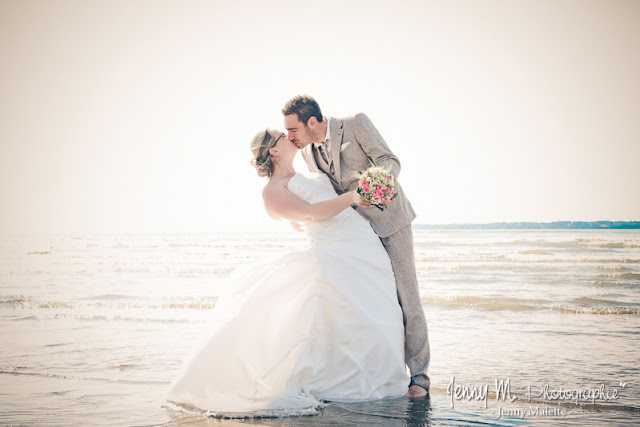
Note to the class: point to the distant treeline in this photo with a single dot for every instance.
(558, 225)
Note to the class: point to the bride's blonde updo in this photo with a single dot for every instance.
(260, 146)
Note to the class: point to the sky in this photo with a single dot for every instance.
(120, 116)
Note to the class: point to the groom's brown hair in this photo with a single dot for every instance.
(305, 107)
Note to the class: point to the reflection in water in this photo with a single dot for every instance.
(383, 412)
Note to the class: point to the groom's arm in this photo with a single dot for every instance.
(374, 145)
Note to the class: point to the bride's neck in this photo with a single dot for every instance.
(282, 169)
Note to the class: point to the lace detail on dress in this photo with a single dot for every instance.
(260, 413)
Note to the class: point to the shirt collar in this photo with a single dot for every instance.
(328, 135)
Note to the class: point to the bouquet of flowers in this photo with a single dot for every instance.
(376, 184)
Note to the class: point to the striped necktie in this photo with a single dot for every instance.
(323, 153)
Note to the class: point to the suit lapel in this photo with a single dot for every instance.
(319, 159)
(335, 139)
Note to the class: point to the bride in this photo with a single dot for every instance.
(319, 325)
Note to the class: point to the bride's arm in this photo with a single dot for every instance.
(281, 203)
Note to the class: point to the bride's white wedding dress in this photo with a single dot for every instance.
(323, 323)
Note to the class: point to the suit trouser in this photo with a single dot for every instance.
(399, 246)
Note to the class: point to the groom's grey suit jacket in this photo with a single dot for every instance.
(354, 142)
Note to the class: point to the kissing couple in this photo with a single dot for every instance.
(340, 321)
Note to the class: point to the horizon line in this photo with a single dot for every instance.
(502, 225)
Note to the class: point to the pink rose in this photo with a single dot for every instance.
(366, 189)
(376, 199)
(386, 190)
(362, 183)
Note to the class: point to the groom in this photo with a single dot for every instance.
(339, 147)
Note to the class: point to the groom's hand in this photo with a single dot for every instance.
(296, 225)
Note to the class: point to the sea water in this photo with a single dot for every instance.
(95, 326)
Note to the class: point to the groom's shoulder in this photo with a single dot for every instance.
(356, 119)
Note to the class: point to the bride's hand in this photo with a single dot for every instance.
(358, 200)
